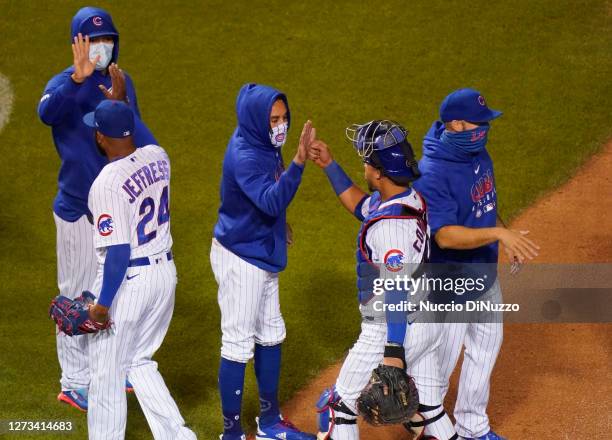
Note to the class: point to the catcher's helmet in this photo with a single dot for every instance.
(383, 145)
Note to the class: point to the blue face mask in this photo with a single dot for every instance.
(470, 141)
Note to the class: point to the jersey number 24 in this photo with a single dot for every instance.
(147, 211)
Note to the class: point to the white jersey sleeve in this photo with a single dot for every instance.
(365, 207)
(111, 215)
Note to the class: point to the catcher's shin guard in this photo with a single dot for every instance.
(333, 416)
(431, 423)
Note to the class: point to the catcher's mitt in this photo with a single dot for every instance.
(72, 315)
(390, 397)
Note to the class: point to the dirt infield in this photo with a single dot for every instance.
(551, 381)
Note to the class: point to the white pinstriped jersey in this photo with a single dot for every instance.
(399, 238)
(393, 243)
(130, 200)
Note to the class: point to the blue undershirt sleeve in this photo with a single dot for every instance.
(115, 267)
(396, 320)
(337, 177)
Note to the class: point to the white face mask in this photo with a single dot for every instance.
(105, 50)
(278, 135)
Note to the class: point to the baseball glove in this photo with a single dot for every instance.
(72, 315)
(390, 397)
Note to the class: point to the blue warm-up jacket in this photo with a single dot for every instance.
(63, 105)
(255, 188)
(459, 189)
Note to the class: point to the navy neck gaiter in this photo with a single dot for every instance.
(469, 141)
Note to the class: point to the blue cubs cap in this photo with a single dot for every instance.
(98, 26)
(111, 118)
(94, 22)
(466, 105)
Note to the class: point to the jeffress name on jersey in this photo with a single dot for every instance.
(147, 175)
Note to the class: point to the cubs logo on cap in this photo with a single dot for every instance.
(97, 21)
(467, 105)
(394, 260)
(106, 225)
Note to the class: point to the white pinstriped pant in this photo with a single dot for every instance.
(421, 345)
(249, 303)
(482, 341)
(76, 271)
(141, 313)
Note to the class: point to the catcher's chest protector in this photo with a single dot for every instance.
(367, 270)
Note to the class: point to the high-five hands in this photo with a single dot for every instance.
(348, 193)
(308, 135)
(312, 148)
(319, 153)
(84, 67)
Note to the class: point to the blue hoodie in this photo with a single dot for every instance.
(255, 188)
(459, 189)
(63, 105)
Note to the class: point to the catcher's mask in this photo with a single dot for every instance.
(383, 144)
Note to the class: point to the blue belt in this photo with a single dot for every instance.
(145, 261)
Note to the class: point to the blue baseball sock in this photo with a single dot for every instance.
(231, 384)
(267, 371)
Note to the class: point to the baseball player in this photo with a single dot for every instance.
(459, 186)
(394, 235)
(249, 250)
(66, 98)
(129, 201)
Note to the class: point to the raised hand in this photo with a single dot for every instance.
(118, 90)
(83, 66)
(306, 138)
(319, 153)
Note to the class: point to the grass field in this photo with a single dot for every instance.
(546, 64)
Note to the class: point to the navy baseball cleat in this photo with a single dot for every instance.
(75, 398)
(488, 436)
(283, 429)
